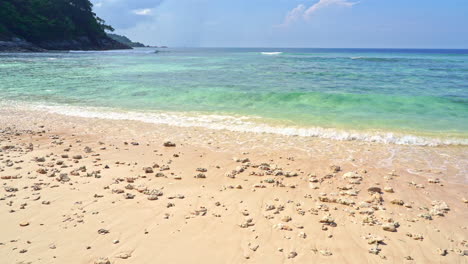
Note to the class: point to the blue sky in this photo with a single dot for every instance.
(291, 23)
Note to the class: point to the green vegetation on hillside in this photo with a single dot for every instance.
(45, 20)
(126, 41)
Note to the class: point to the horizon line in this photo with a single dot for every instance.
(260, 47)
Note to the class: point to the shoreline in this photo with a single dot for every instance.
(17, 45)
(112, 191)
(449, 159)
(247, 124)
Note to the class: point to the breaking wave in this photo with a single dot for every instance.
(245, 124)
(272, 53)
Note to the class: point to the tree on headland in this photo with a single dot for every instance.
(44, 20)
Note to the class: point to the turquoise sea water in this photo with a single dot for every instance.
(315, 92)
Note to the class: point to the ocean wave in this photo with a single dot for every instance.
(380, 59)
(272, 53)
(400, 59)
(246, 124)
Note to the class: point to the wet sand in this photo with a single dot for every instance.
(80, 190)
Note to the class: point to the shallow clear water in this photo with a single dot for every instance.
(412, 92)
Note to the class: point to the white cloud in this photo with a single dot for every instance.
(301, 12)
(295, 14)
(123, 14)
(142, 12)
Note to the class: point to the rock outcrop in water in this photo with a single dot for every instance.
(82, 43)
(126, 41)
(18, 45)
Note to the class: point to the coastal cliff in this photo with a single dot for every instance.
(126, 41)
(35, 26)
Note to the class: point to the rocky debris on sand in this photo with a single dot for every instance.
(41, 171)
(325, 253)
(442, 252)
(154, 194)
(292, 254)
(164, 168)
(102, 261)
(201, 211)
(248, 222)
(352, 177)
(169, 144)
(335, 168)
(39, 159)
(397, 202)
(231, 175)
(313, 178)
(390, 227)
(327, 219)
(103, 231)
(439, 208)
(129, 196)
(365, 207)
(338, 200)
(178, 196)
(160, 175)
(374, 190)
(118, 191)
(253, 246)
(419, 186)
(241, 160)
(374, 250)
(123, 255)
(425, 216)
(10, 189)
(63, 177)
(141, 188)
(282, 226)
(373, 239)
(389, 189)
(435, 180)
(415, 236)
(148, 170)
(200, 176)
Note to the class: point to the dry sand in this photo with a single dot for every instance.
(76, 190)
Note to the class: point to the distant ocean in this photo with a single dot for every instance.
(387, 95)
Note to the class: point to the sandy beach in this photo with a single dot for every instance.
(80, 190)
(233, 132)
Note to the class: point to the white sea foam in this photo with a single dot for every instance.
(246, 124)
(272, 53)
(133, 51)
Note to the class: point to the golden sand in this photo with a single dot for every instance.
(77, 190)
